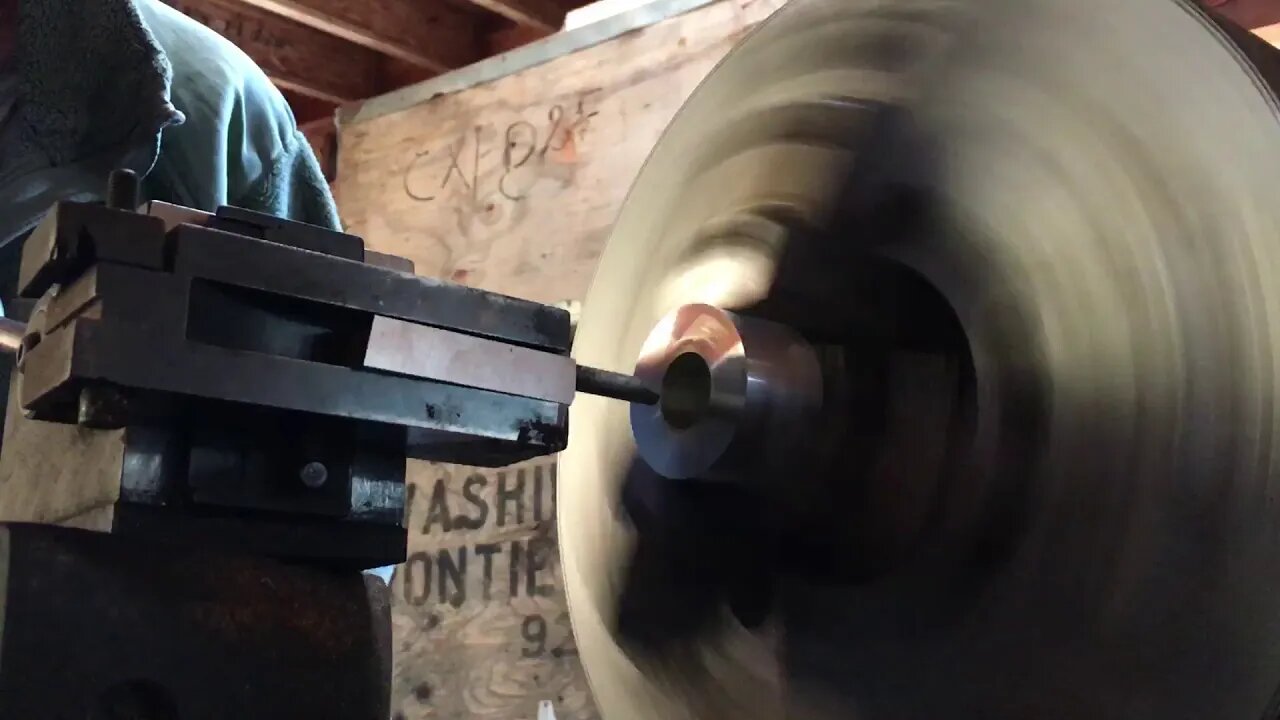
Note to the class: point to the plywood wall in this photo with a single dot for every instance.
(511, 186)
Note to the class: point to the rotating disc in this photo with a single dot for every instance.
(1089, 188)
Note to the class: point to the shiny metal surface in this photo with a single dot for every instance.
(1090, 186)
(11, 333)
(423, 351)
(175, 215)
(737, 394)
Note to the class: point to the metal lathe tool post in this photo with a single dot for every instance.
(206, 441)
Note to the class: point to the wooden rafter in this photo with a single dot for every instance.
(295, 57)
(511, 37)
(394, 73)
(426, 33)
(541, 15)
(307, 109)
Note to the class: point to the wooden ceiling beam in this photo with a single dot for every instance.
(395, 73)
(426, 33)
(296, 57)
(307, 109)
(511, 37)
(544, 16)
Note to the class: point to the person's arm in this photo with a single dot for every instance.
(240, 144)
(293, 186)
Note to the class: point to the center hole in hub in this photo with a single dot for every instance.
(686, 391)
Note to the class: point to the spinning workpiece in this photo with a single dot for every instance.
(964, 320)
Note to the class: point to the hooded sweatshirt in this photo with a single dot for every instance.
(105, 84)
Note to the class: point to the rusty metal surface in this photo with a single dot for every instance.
(96, 626)
(207, 374)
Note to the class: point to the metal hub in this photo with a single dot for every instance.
(738, 393)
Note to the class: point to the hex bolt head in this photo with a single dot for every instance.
(314, 474)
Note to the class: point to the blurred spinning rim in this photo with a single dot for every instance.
(1035, 246)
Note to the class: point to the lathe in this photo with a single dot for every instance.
(931, 372)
